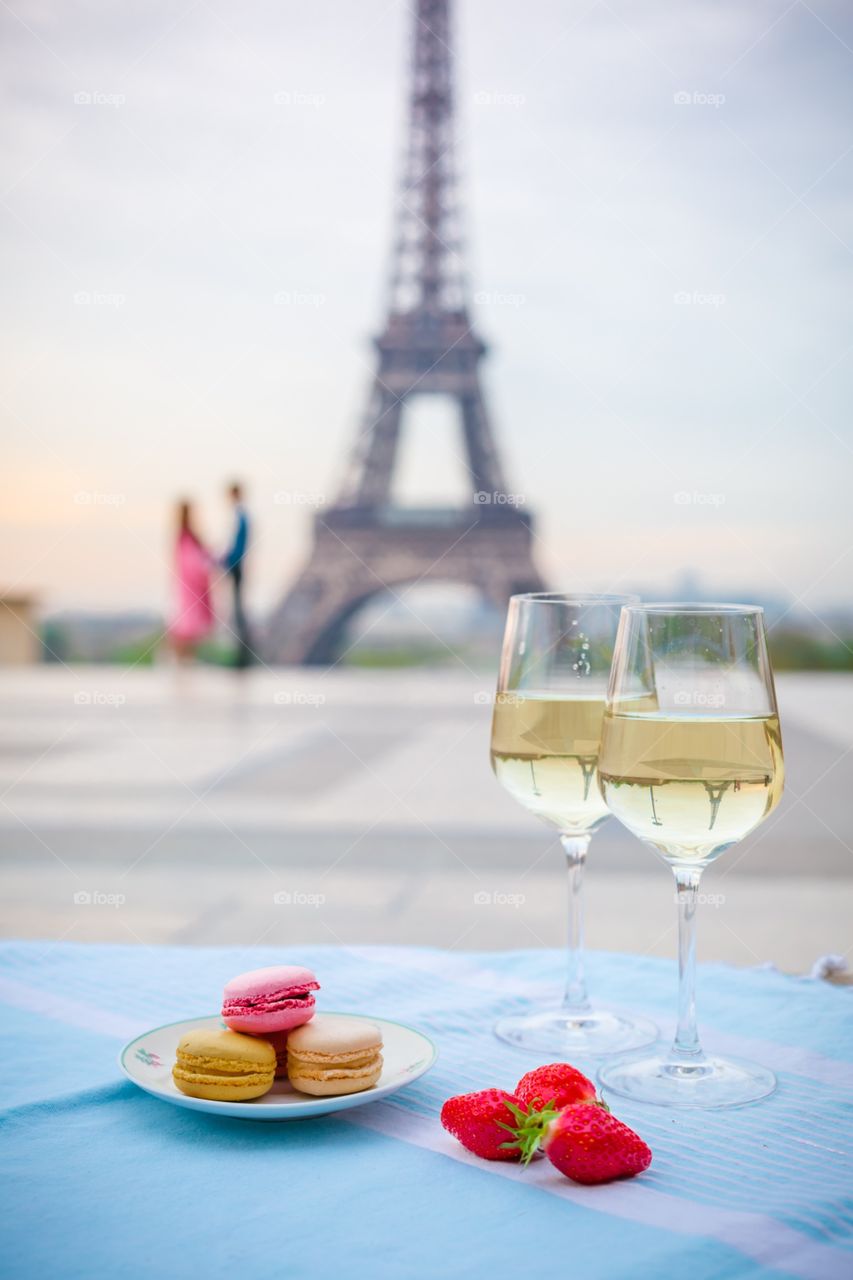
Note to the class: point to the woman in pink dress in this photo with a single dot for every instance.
(194, 614)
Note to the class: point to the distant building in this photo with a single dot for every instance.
(19, 641)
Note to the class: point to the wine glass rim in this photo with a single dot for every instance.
(627, 599)
(692, 606)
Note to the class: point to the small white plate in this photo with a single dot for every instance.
(148, 1060)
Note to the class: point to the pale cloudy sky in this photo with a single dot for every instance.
(659, 206)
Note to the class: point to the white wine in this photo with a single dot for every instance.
(690, 785)
(545, 753)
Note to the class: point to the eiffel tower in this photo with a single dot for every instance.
(363, 543)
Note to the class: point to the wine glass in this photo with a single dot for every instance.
(691, 762)
(546, 727)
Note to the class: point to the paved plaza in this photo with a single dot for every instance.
(209, 806)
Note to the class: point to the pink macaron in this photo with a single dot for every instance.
(274, 999)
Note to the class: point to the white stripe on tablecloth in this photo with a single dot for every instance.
(72, 1012)
(779, 1057)
(757, 1236)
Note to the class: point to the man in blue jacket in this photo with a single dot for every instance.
(232, 562)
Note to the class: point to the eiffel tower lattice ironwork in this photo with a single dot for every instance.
(364, 544)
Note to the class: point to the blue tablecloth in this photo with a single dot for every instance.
(101, 1180)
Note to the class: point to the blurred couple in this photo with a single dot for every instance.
(195, 564)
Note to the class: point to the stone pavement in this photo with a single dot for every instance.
(208, 806)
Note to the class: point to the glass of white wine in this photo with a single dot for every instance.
(546, 729)
(691, 762)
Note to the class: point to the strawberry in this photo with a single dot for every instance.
(554, 1110)
(589, 1145)
(484, 1122)
(558, 1085)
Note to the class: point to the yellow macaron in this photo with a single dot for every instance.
(334, 1054)
(223, 1066)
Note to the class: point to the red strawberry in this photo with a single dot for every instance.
(589, 1145)
(482, 1122)
(558, 1085)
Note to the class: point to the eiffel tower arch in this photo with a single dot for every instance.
(363, 544)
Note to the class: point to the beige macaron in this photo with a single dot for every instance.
(334, 1054)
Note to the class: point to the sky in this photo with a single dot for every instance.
(196, 220)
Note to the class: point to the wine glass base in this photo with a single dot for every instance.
(563, 1033)
(704, 1083)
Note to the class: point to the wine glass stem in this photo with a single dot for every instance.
(575, 848)
(686, 1042)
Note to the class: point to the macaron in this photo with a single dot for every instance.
(334, 1054)
(272, 999)
(223, 1065)
(278, 1040)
